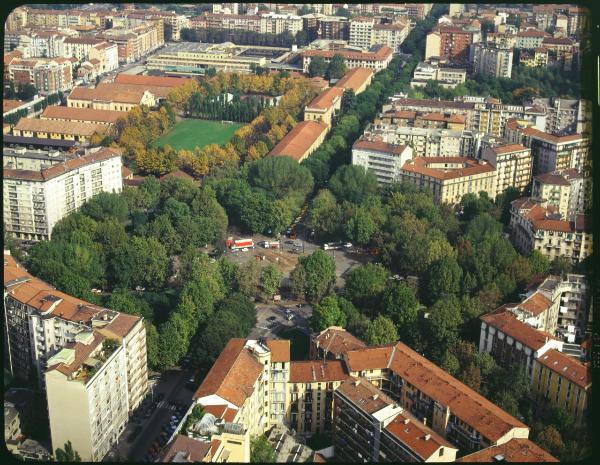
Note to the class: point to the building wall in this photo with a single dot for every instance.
(311, 406)
(386, 166)
(559, 391)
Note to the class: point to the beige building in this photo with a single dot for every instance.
(81, 115)
(332, 343)
(86, 388)
(301, 141)
(310, 393)
(58, 130)
(377, 59)
(324, 106)
(357, 80)
(433, 70)
(563, 381)
(449, 178)
(490, 60)
(384, 159)
(451, 409)
(536, 226)
(111, 96)
(90, 361)
(567, 190)
(513, 164)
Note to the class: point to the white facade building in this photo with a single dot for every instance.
(384, 159)
(35, 200)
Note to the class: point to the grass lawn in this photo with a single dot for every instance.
(191, 133)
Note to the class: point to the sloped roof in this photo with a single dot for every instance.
(567, 367)
(296, 143)
(317, 371)
(515, 450)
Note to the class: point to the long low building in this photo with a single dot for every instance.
(301, 141)
(357, 80)
(324, 106)
(57, 129)
(377, 59)
(81, 115)
(449, 178)
(515, 450)
(111, 96)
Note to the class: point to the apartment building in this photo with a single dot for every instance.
(562, 52)
(273, 23)
(371, 427)
(536, 226)
(227, 21)
(324, 106)
(48, 75)
(451, 42)
(535, 58)
(551, 152)
(310, 391)
(427, 141)
(541, 302)
(90, 361)
(575, 307)
(37, 196)
(332, 28)
(448, 407)
(86, 389)
(301, 141)
(515, 450)
(136, 42)
(41, 43)
(384, 159)
(449, 178)
(81, 115)
(566, 190)
(432, 70)
(418, 119)
(172, 22)
(513, 163)
(79, 47)
(367, 31)
(332, 343)
(377, 58)
(563, 381)
(530, 39)
(111, 96)
(512, 341)
(490, 60)
(565, 115)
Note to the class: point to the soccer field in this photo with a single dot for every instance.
(192, 133)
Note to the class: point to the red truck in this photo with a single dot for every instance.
(241, 244)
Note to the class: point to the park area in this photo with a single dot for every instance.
(191, 133)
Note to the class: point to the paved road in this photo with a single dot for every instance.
(172, 384)
(268, 327)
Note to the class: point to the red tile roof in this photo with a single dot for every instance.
(355, 78)
(105, 153)
(509, 148)
(59, 127)
(326, 99)
(469, 406)
(337, 341)
(233, 375)
(567, 367)
(8, 105)
(420, 439)
(515, 450)
(280, 350)
(381, 54)
(364, 395)
(504, 320)
(194, 450)
(552, 178)
(379, 146)
(536, 133)
(298, 141)
(81, 114)
(536, 303)
(317, 372)
(122, 93)
(421, 165)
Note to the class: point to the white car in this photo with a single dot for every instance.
(245, 249)
(347, 245)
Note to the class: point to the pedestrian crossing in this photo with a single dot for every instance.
(166, 405)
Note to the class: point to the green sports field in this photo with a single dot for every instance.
(191, 133)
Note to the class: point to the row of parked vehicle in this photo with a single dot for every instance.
(167, 431)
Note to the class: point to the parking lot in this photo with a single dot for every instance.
(155, 419)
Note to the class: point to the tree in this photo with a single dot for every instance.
(353, 183)
(325, 214)
(141, 262)
(67, 454)
(317, 67)
(550, 440)
(442, 326)
(365, 284)
(261, 450)
(105, 206)
(26, 92)
(381, 331)
(561, 266)
(328, 313)
(400, 304)
(270, 279)
(361, 227)
(442, 279)
(248, 278)
(280, 176)
(314, 276)
(337, 67)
